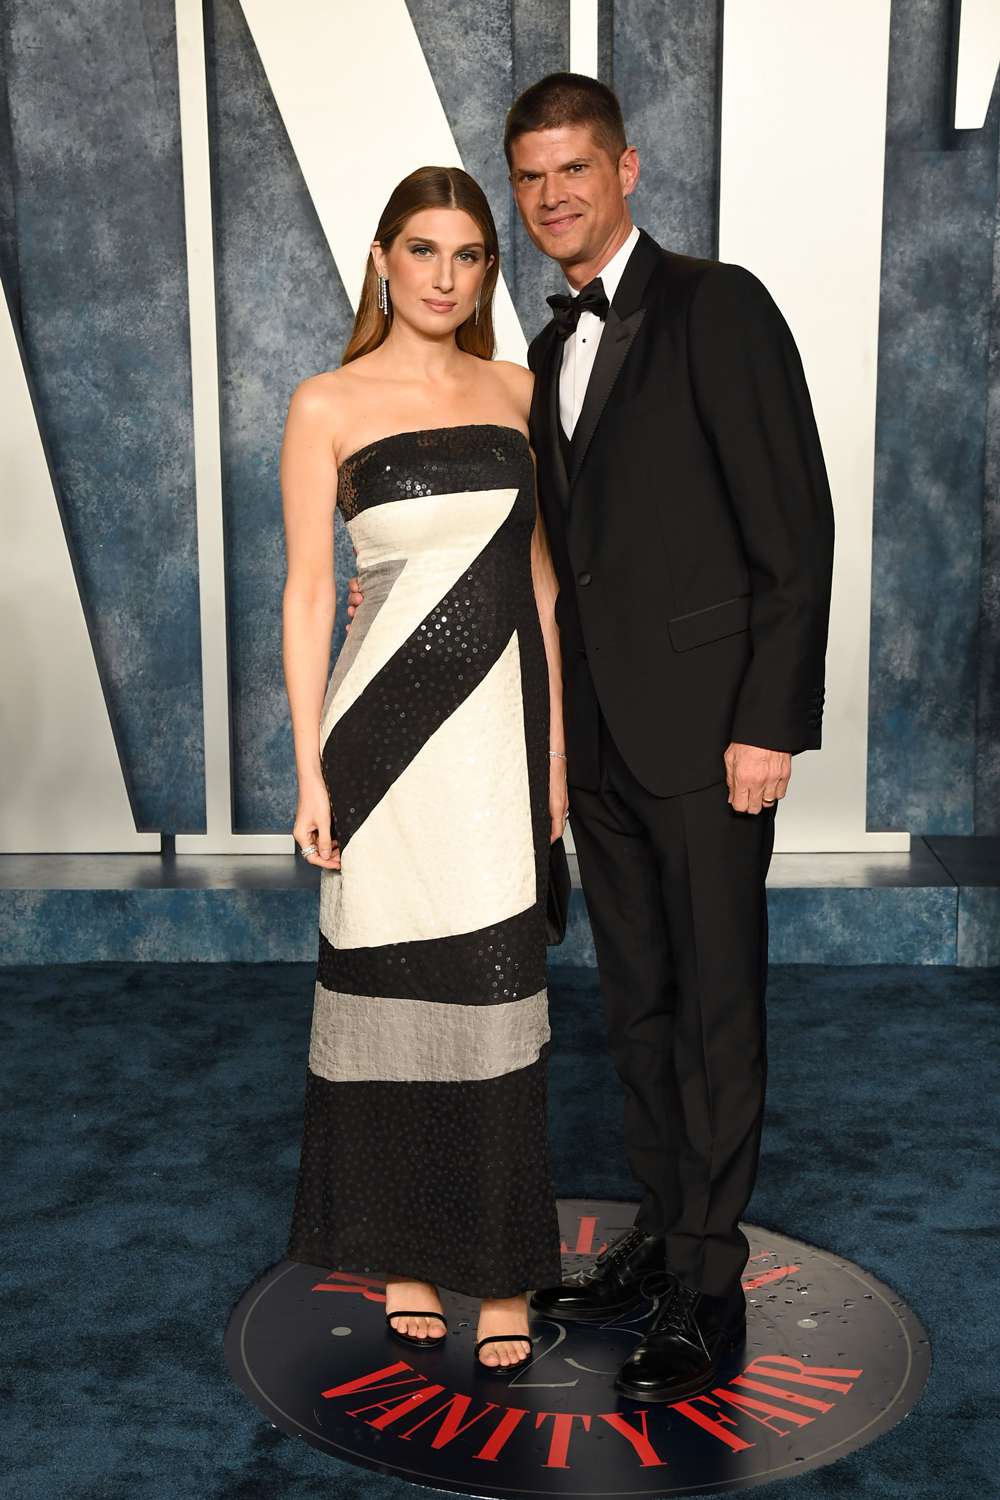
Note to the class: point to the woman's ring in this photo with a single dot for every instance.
(308, 849)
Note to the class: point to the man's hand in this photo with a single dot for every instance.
(354, 598)
(756, 778)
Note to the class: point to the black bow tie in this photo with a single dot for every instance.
(566, 310)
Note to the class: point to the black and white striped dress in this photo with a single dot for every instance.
(424, 1150)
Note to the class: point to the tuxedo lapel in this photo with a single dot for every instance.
(624, 318)
(553, 365)
(616, 341)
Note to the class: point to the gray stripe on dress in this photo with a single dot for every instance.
(376, 585)
(357, 1037)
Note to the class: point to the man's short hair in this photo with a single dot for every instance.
(568, 99)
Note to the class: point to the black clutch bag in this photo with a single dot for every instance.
(557, 907)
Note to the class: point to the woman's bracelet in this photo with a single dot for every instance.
(557, 754)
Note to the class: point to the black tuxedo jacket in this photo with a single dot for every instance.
(690, 524)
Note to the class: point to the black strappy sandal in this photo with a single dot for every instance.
(408, 1338)
(505, 1338)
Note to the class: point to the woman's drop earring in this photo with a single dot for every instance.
(478, 295)
(383, 295)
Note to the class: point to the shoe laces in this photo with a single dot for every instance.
(675, 1313)
(621, 1248)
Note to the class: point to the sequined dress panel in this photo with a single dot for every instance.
(424, 1148)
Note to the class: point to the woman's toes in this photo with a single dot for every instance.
(411, 1293)
(506, 1354)
(424, 1328)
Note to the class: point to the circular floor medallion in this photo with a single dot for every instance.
(833, 1359)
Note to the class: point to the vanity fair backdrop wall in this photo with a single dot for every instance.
(96, 269)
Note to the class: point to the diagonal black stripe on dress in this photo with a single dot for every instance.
(424, 1150)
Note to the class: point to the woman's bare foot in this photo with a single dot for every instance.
(504, 1315)
(414, 1295)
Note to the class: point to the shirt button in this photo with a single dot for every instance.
(583, 578)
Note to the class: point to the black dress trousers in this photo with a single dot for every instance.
(675, 892)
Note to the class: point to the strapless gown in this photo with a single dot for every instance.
(424, 1150)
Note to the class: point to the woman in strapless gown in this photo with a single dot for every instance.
(424, 1154)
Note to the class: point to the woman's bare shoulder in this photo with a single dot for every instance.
(518, 381)
(325, 391)
(333, 401)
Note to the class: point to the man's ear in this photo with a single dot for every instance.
(628, 170)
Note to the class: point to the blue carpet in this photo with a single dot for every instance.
(151, 1140)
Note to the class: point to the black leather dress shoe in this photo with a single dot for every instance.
(680, 1354)
(612, 1285)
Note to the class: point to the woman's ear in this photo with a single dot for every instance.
(378, 258)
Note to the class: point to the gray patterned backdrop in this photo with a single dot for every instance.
(92, 257)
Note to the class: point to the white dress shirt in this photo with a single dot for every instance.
(580, 349)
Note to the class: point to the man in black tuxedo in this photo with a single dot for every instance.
(684, 493)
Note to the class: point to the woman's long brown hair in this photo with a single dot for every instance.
(429, 187)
